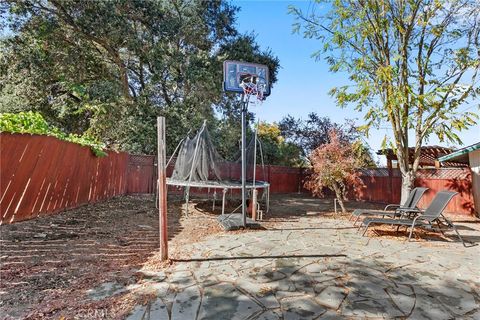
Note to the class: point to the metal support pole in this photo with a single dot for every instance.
(162, 189)
(254, 204)
(214, 198)
(223, 201)
(254, 190)
(244, 158)
(268, 198)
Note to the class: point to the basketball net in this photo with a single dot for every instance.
(252, 87)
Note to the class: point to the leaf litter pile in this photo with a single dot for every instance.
(49, 264)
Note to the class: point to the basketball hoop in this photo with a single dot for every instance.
(252, 85)
(250, 79)
(247, 78)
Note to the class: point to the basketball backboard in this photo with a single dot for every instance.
(233, 71)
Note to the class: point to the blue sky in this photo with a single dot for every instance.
(303, 83)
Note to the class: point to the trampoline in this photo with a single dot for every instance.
(198, 165)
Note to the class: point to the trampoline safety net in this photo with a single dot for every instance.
(199, 165)
(197, 159)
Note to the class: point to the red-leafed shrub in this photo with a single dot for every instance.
(334, 166)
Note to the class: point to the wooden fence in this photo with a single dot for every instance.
(42, 175)
(384, 187)
(380, 185)
(142, 175)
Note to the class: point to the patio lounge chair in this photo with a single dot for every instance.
(410, 206)
(433, 214)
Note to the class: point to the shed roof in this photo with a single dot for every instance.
(460, 155)
(428, 155)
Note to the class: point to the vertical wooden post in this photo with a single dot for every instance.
(162, 189)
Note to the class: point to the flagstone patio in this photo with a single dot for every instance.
(316, 268)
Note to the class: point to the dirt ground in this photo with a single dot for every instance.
(49, 264)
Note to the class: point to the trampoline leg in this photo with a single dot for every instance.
(223, 201)
(187, 196)
(268, 199)
(214, 198)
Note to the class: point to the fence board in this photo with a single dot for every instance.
(37, 179)
(42, 175)
(15, 151)
(20, 181)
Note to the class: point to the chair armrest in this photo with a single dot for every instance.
(391, 206)
(415, 210)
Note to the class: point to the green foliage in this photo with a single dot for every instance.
(25, 122)
(275, 149)
(33, 123)
(110, 68)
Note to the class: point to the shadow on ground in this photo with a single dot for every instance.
(318, 287)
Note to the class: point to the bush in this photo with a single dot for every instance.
(334, 165)
(33, 123)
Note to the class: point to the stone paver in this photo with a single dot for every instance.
(316, 268)
(105, 290)
(332, 297)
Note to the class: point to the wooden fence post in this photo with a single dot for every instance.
(162, 189)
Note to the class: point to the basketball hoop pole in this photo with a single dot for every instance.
(245, 101)
(249, 79)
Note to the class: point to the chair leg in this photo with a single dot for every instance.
(439, 228)
(458, 235)
(360, 227)
(355, 222)
(366, 228)
(451, 225)
(411, 231)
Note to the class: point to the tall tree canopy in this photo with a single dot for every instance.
(412, 64)
(313, 131)
(109, 68)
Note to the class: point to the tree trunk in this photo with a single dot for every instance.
(339, 195)
(408, 180)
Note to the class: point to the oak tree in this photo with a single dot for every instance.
(109, 68)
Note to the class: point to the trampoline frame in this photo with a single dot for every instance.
(223, 185)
